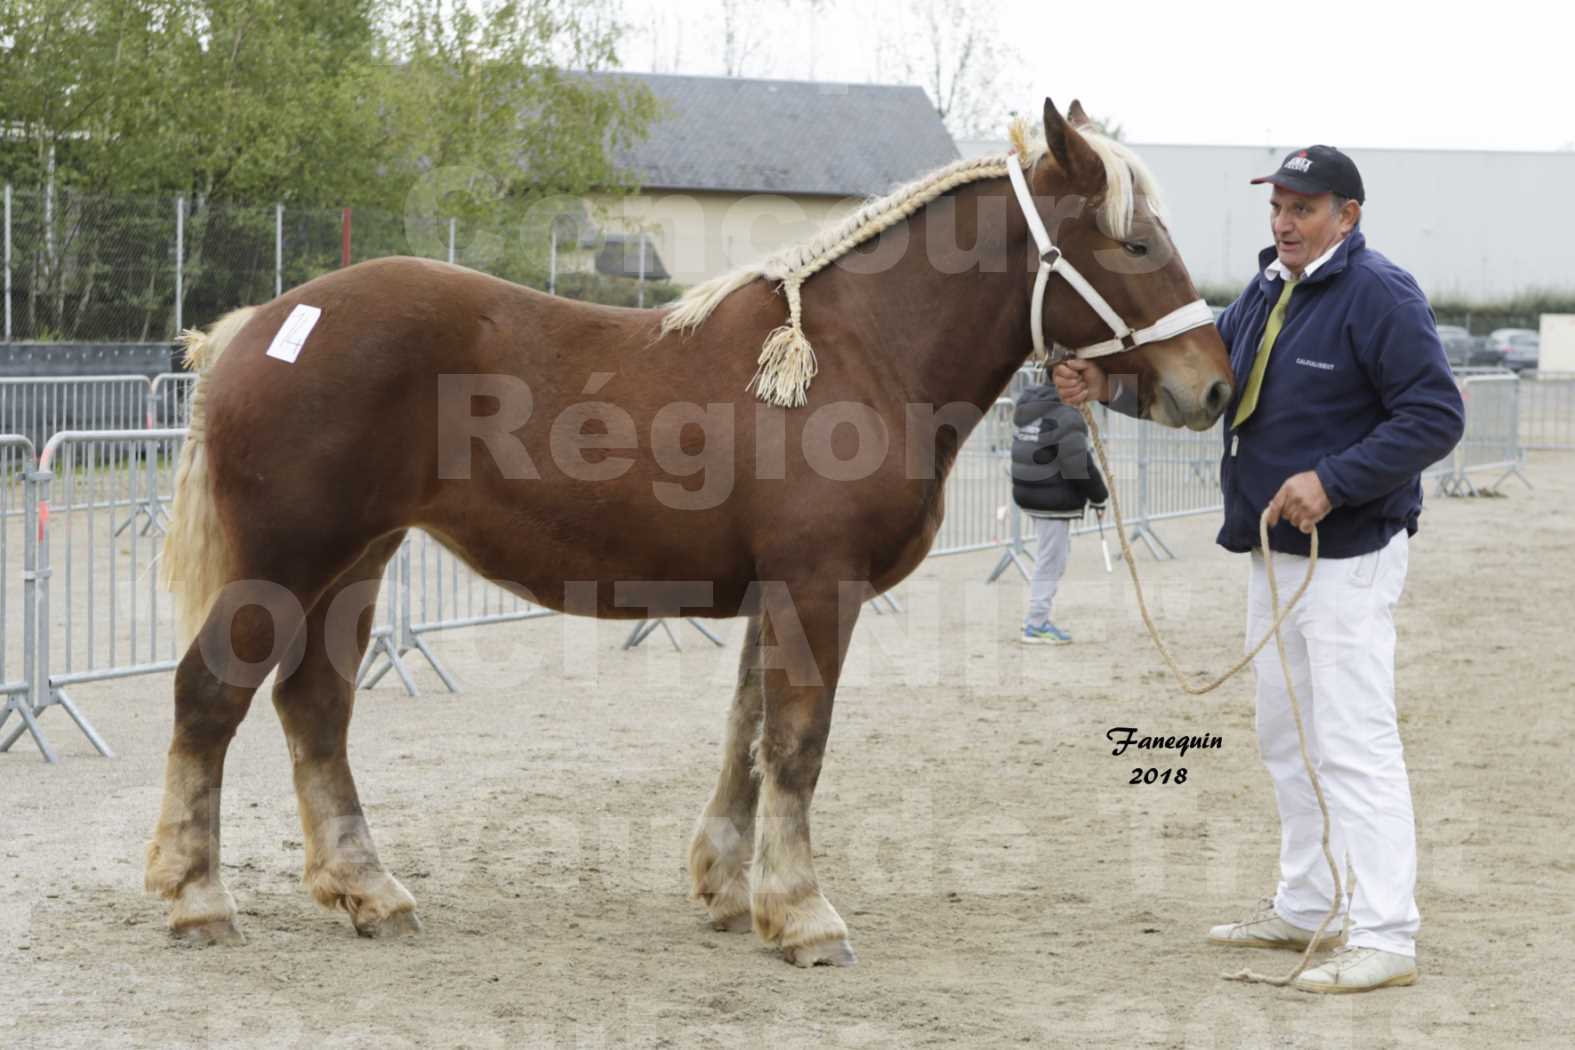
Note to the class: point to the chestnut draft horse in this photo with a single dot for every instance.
(301, 476)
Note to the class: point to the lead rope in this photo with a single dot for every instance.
(1198, 690)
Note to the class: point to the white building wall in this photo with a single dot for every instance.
(1479, 225)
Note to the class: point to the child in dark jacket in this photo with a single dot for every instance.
(1053, 480)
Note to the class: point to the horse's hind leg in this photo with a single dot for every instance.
(314, 705)
(214, 685)
(724, 838)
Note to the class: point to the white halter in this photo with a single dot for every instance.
(1193, 315)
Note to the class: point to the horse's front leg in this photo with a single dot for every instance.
(724, 837)
(811, 632)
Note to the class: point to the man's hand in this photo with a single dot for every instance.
(1078, 381)
(1300, 501)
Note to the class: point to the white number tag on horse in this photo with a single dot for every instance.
(286, 346)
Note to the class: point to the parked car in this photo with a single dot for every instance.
(1459, 344)
(1518, 345)
(1483, 355)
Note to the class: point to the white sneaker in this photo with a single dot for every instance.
(1354, 969)
(1265, 929)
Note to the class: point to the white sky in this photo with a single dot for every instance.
(1370, 73)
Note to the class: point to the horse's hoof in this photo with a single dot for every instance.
(399, 924)
(836, 952)
(740, 923)
(216, 931)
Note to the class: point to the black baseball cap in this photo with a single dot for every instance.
(1318, 169)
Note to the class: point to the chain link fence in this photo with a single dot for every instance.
(80, 267)
(85, 268)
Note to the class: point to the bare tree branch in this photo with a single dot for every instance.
(957, 54)
(740, 42)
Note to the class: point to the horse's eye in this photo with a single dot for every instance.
(1134, 247)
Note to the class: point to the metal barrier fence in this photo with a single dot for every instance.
(1491, 442)
(431, 590)
(37, 408)
(1547, 410)
(385, 644)
(103, 614)
(80, 531)
(169, 399)
(1159, 473)
(978, 493)
(18, 589)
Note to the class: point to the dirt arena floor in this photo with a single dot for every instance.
(1003, 882)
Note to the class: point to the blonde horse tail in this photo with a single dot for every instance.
(196, 560)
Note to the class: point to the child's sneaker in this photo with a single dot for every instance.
(1045, 634)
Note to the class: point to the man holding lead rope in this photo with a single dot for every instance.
(1343, 396)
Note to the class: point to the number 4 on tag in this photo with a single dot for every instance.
(286, 346)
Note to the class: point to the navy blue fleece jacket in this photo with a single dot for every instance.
(1357, 389)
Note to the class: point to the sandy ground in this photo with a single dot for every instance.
(1003, 882)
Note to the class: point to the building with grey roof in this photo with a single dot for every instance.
(733, 169)
(797, 138)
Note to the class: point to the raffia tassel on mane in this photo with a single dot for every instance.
(787, 361)
(786, 364)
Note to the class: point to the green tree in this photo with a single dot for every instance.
(482, 110)
(494, 116)
(217, 99)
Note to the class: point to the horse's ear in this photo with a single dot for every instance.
(1075, 115)
(1071, 151)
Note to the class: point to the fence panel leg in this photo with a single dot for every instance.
(1015, 552)
(697, 625)
(437, 665)
(83, 724)
(19, 704)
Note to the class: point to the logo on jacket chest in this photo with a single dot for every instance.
(1322, 366)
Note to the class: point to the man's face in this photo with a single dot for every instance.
(1304, 225)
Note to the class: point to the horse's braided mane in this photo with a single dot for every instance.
(787, 361)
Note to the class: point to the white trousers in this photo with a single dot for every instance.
(1340, 644)
(1054, 536)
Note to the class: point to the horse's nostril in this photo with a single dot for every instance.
(1218, 394)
